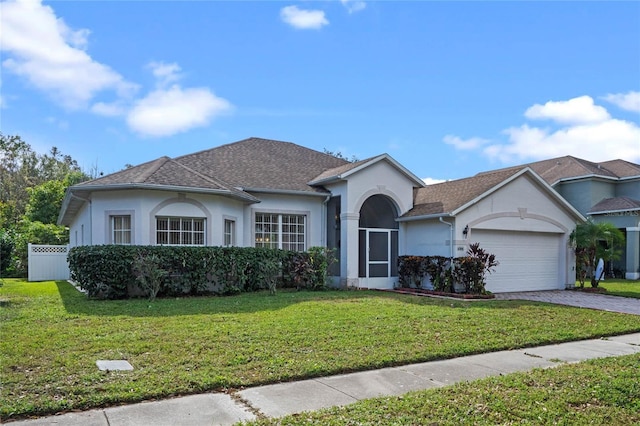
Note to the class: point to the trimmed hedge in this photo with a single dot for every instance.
(113, 272)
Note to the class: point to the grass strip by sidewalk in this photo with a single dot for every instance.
(52, 336)
(603, 392)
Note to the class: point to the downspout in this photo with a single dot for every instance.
(451, 234)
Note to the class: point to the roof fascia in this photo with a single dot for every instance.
(424, 217)
(636, 209)
(176, 188)
(586, 177)
(286, 192)
(394, 163)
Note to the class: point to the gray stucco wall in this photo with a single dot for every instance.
(583, 195)
(629, 189)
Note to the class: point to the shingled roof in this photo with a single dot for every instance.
(234, 170)
(263, 165)
(447, 197)
(617, 204)
(558, 169)
(251, 164)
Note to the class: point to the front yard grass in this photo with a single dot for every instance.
(52, 336)
(620, 287)
(596, 392)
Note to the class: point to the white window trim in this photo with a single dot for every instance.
(234, 231)
(204, 230)
(305, 213)
(109, 231)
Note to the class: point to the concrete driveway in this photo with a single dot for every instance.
(626, 305)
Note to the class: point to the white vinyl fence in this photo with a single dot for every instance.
(47, 262)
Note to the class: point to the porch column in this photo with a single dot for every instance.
(349, 223)
(633, 253)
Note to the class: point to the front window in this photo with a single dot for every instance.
(180, 231)
(120, 230)
(229, 233)
(284, 231)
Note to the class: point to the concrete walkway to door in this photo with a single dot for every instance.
(626, 305)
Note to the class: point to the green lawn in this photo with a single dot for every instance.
(618, 287)
(51, 337)
(597, 392)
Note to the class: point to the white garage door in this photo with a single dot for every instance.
(528, 260)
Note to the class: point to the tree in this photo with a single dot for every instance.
(32, 188)
(341, 156)
(21, 168)
(592, 241)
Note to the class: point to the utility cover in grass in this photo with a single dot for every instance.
(117, 365)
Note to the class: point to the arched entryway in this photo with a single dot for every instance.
(378, 243)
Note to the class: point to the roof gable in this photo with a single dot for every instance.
(447, 197)
(453, 197)
(346, 170)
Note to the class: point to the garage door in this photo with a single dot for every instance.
(528, 260)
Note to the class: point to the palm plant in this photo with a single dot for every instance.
(592, 241)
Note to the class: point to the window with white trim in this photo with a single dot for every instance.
(180, 231)
(229, 233)
(284, 231)
(120, 229)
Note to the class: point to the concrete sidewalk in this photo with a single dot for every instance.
(288, 398)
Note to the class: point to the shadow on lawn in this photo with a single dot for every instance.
(76, 302)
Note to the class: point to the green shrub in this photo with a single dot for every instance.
(411, 270)
(6, 251)
(113, 272)
(439, 270)
(149, 273)
(468, 271)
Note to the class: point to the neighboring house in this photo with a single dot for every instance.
(606, 192)
(266, 193)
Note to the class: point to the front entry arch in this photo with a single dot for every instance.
(378, 243)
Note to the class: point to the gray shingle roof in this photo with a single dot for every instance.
(615, 204)
(249, 164)
(446, 197)
(263, 164)
(567, 167)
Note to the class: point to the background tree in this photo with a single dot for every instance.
(591, 242)
(32, 188)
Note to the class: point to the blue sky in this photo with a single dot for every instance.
(448, 89)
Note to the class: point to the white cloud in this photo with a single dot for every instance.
(574, 111)
(580, 128)
(303, 19)
(60, 124)
(43, 49)
(165, 73)
(165, 112)
(628, 101)
(464, 144)
(432, 181)
(602, 141)
(354, 6)
(114, 109)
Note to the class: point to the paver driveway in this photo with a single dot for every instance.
(602, 302)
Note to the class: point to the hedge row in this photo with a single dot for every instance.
(116, 271)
